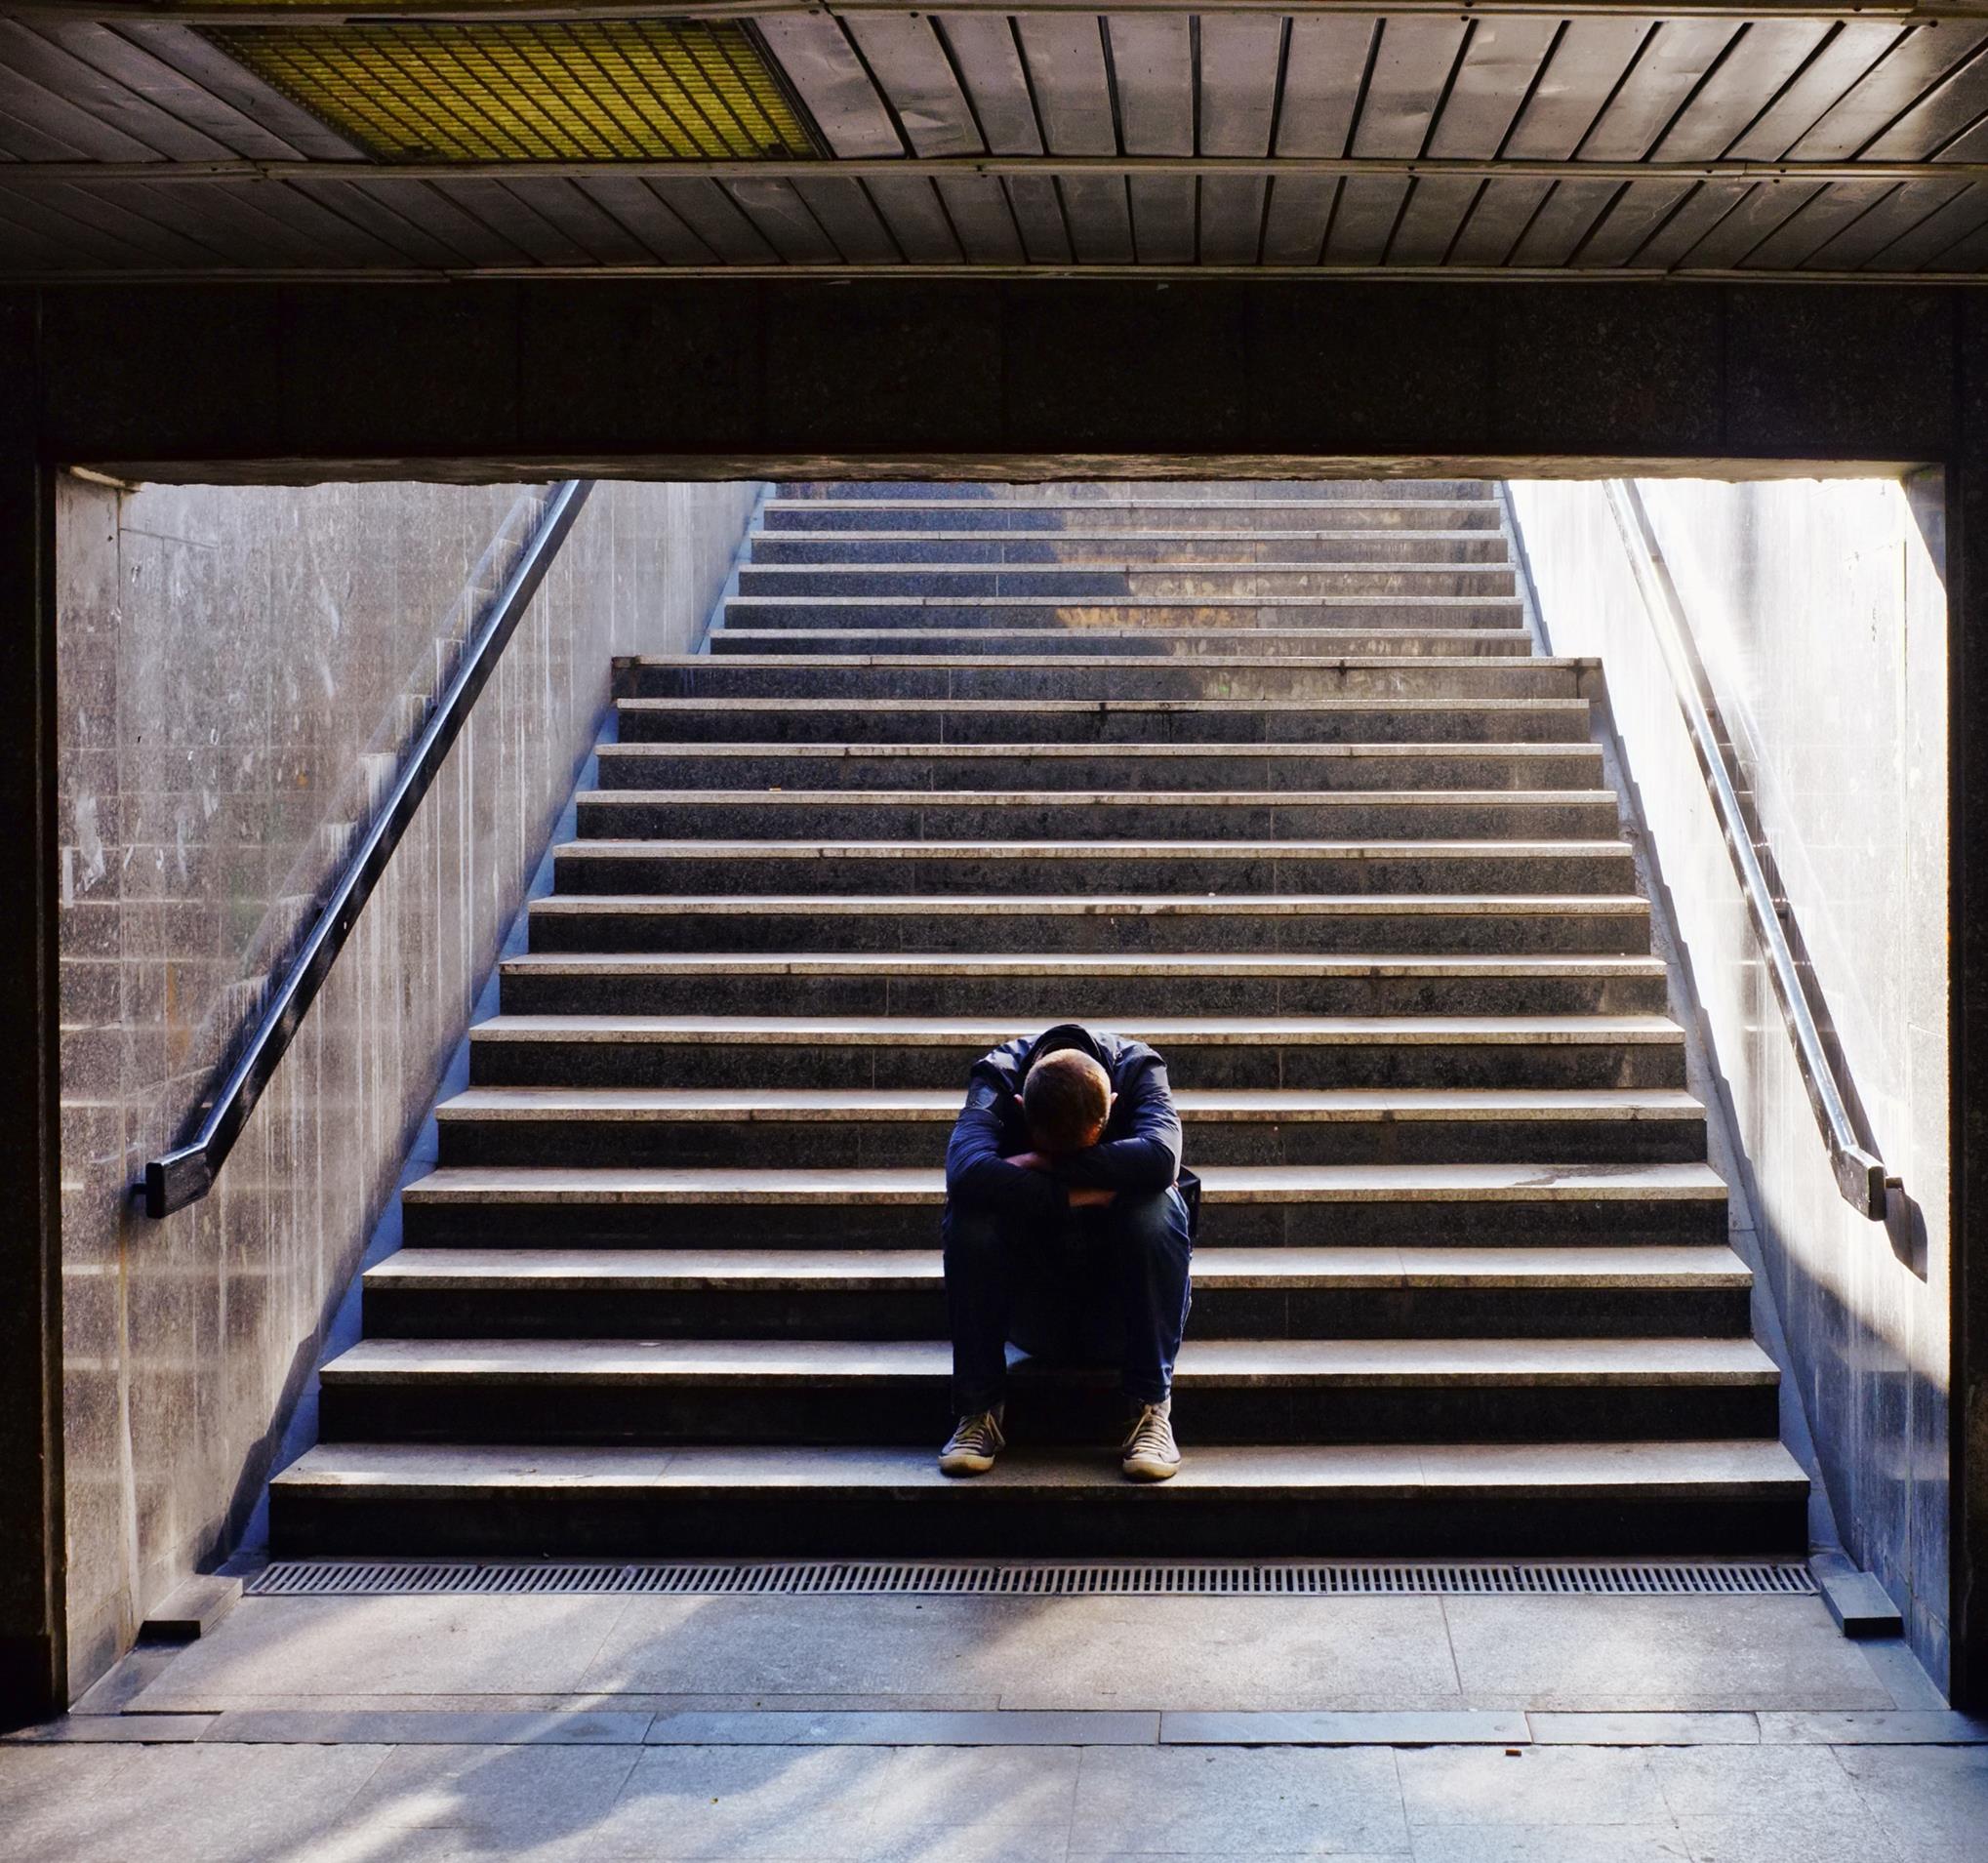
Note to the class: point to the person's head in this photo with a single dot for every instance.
(1066, 1099)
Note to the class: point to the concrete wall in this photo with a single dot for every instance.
(239, 669)
(1819, 610)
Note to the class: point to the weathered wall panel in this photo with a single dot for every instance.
(1820, 611)
(233, 663)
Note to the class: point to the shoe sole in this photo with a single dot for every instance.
(965, 1464)
(1151, 1470)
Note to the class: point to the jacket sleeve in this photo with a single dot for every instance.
(977, 1174)
(1148, 1156)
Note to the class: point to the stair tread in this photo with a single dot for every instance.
(1195, 1104)
(1190, 965)
(1475, 1182)
(947, 1031)
(773, 847)
(1229, 566)
(1655, 1266)
(1115, 798)
(985, 662)
(655, 750)
(1361, 534)
(1550, 1469)
(1094, 904)
(1202, 1361)
(1106, 706)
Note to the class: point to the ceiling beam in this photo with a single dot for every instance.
(31, 176)
(236, 13)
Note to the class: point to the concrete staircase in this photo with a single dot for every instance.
(1270, 776)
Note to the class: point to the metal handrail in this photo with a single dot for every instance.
(1859, 1172)
(186, 1173)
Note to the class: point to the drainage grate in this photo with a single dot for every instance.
(375, 1578)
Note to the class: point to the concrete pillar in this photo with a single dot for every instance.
(32, 1657)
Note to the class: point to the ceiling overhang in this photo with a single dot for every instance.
(258, 137)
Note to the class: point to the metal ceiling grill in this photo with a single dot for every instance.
(374, 1578)
(495, 89)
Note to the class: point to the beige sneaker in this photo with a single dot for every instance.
(971, 1448)
(1151, 1453)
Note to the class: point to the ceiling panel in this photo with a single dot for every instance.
(1477, 139)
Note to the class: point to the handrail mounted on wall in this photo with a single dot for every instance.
(1859, 1173)
(186, 1173)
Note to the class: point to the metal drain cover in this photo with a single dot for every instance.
(1060, 1578)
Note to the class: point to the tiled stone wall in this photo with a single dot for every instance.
(1820, 612)
(239, 669)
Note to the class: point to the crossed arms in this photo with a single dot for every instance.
(1025, 1182)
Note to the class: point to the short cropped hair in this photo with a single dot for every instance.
(1065, 1099)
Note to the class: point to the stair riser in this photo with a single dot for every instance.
(604, 815)
(1372, 550)
(1216, 583)
(578, 868)
(1111, 1518)
(1122, 934)
(908, 1410)
(531, 992)
(732, 1313)
(1490, 676)
(799, 1144)
(825, 1062)
(1556, 723)
(1628, 1223)
(1080, 640)
(1179, 519)
(664, 767)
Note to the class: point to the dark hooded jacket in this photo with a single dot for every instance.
(1139, 1152)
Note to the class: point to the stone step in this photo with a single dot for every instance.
(1081, 988)
(1101, 677)
(1551, 1497)
(1131, 769)
(1243, 1206)
(1422, 548)
(814, 1128)
(1201, 1051)
(1127, 924)
(1496, 722)
(1069, 608)
(1220, 585)
(1244, 1293)
(1086, 867)
(1179, 516)
(1063, 636)
(1266, 820)
(1014, 495)
(818, 1391)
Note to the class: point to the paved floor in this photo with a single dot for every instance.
(1454, 1731)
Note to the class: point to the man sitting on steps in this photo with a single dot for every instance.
(1066, 1210)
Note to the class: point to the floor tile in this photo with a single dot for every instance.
(991, 1727)
(947, 1803)
(495, 1795)
(1045, 1653)
(1785, 1785)
(1237, 1803)
(1933, 1801)
(46, 1793)
(221, 1804)
(760, 1805)
(1549, 1843)
(387, 1645)
(1530, 1785)
(1646, 1730)
(1683, 1654)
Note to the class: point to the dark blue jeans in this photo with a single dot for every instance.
(1111, 1285)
